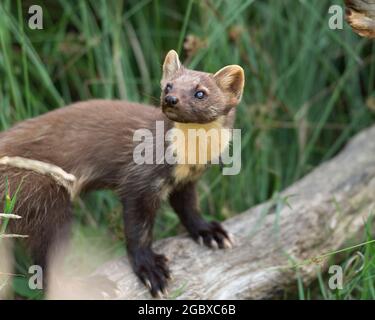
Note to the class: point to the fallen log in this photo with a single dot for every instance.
(322, 212)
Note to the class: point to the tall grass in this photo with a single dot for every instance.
(5, 246)
(305, 95)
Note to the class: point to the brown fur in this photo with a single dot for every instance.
(93, 140)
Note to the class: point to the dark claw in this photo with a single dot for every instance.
(153, 271)
(213, 235)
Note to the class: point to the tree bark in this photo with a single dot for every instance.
(322, 212)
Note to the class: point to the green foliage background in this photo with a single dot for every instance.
(308, 88)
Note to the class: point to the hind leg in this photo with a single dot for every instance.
(46, 213)
(52, 237)
(46, 220)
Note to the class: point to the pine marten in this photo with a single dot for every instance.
(93, 141)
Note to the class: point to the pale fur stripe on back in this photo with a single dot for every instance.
(63, 178)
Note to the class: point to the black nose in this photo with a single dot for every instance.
(171, 100)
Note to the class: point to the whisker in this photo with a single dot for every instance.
(154, 99)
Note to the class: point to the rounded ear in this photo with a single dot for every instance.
(171, 64)
(231, 79)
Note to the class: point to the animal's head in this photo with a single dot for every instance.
(191, 96)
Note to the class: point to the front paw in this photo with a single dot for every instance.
(213, 235)
(152, 269)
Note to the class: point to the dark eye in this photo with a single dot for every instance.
(199, 95)
(168, 87)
